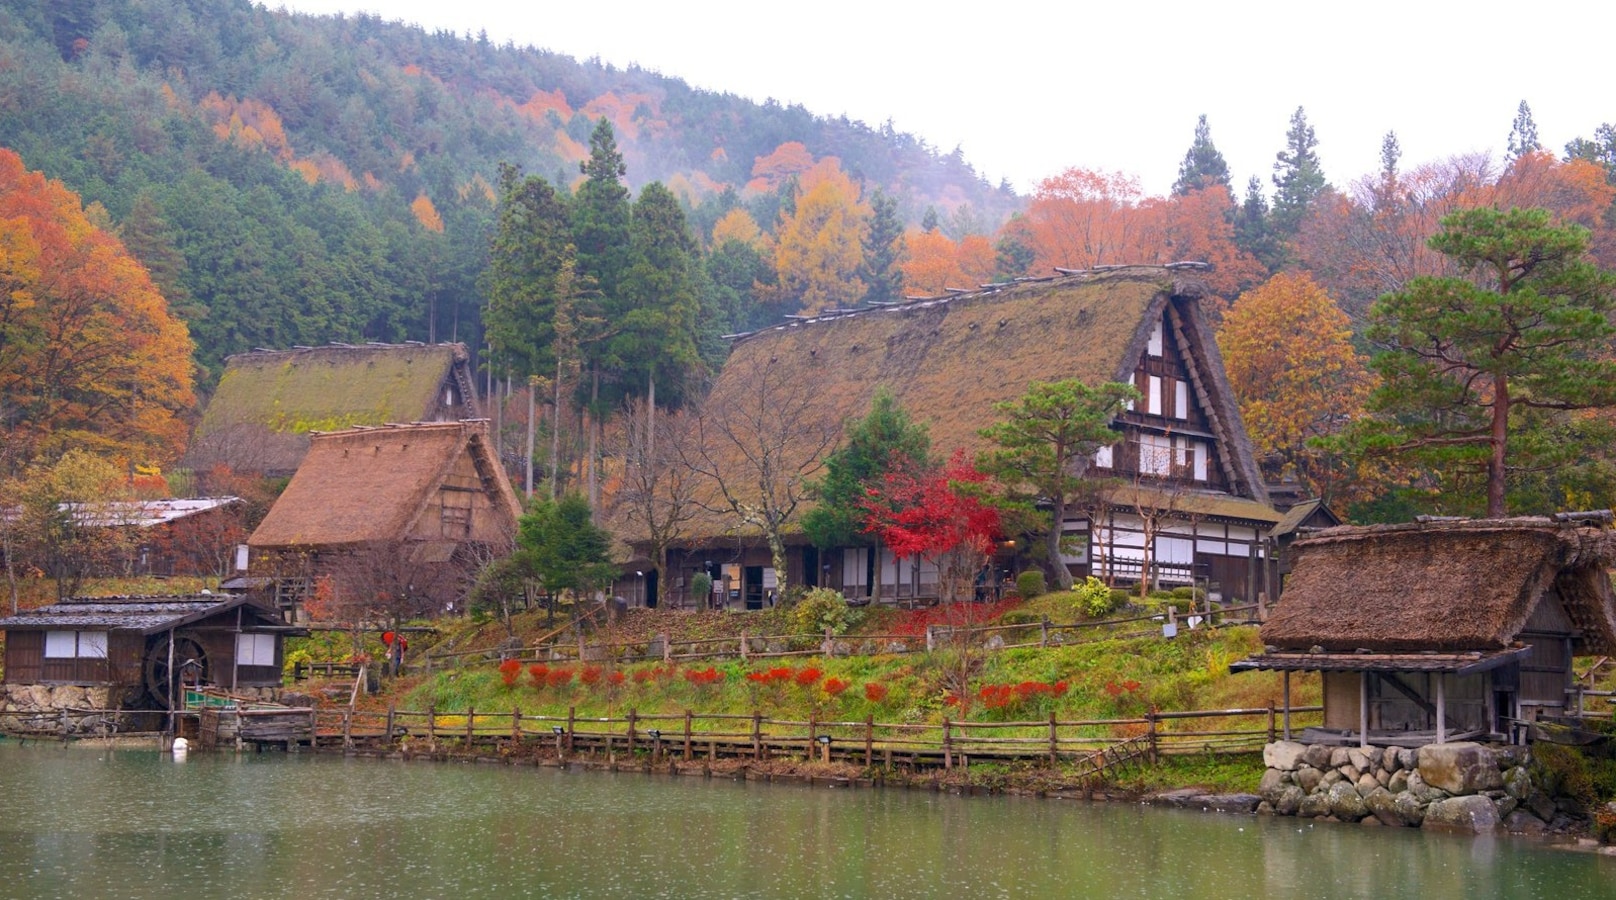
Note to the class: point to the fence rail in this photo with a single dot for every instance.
(1096, 745)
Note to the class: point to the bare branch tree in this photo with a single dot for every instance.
(657, 499)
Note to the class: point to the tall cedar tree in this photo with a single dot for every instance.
(1463, 361)
(1298, 177)
(1522, 135)
(654, 344)
(1203, 165)
(1045, 443)
(600, 223)
(883, 250)
(885, 440)
(1253, 229)
(530, 243)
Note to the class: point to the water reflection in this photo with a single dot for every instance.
(80, 822)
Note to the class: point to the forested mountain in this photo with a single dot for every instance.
(291, 179)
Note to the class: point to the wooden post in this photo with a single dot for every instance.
(516, 725)
(1043, 627)
(1441, 710)
(667, 650)
(1270, 722)
(1262, 606)
(632, 716)
(1054, 741)
(948, 745)
(432, 725)
(813, 729)
(931, 640)
(1363, 709)
(471, 721)
(1287, 704)
(757, 734)
(869, 741)
(314, 729)
(1150, 731)
(744, 649)
(687, 735)
(390, 713)
(572, 714)
(347, 728)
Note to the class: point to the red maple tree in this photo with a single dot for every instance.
(938, 515)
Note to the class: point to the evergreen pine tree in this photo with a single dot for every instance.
(1203, 165)
(1298, 177)
(1253, 231)
(531, 242)
(600, 215)
(883, 250)
(653, 347)
(930, 222)
(1522, 135)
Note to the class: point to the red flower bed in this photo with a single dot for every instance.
(509, 671)
(703, 677)
(808, 677)
(589, 676)
(769, 676)
(537, 672)
(1012, 696)
(835, 686)
(615, 679)
(912, 623)
(558, 677)
(875, 692)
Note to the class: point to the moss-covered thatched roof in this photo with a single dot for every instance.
(277, 398)
(366, 485)
(949, 361)
(1443, 586)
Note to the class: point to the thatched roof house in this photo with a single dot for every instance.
(268, 402)
(130, 649)
(1478, 619)
(423, 495)
(948, 361)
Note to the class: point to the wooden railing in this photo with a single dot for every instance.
(690, 735)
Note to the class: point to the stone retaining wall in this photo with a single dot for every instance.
(1461, 786)
(38, 708)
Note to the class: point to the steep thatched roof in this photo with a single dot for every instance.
(948, 361)
(273, 399)
(1447, 587)
(366, 485)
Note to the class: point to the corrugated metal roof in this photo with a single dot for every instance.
(143, 614)
(143, 513)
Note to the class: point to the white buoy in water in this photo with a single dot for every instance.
(182, 747)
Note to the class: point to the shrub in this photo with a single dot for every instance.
(558, 677)
(509, 671)
(589, 676)
(1020, 617)
(701, 589)
(1189, 593)
(1030, 584)
(538, 672)
(703, 677)
(835, 686)
(1120, 597)
(819, 609)
(875, 692)
(1092, 597)
(808, 677)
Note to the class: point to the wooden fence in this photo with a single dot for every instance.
(691, 735)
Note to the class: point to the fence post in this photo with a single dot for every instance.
(744, 649)
(667, 651)
(687, 735)
(813, 732)
(390, 712)
(1150, 722)
(931, 642)
(1043, 627)
(572, 712)
(1054, 747)
(516, 724)
(869, 741)
(632, 716)
(948, 745)
(1262, 606)
(757, 734)
(1270, 721)
(471, 721)
(432, 725)
(830, 644)
(347, 728)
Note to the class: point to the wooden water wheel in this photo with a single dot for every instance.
(161, 680)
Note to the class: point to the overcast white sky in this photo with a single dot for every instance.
(1028, 89)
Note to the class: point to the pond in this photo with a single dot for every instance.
(81, 821)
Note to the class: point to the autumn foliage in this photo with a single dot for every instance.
(90, 355)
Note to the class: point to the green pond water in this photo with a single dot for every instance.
(78, 821)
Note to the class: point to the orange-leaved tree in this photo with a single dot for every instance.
(1288, 351)
(819, 246)
(90, 355)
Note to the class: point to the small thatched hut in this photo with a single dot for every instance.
(269, 402)
(402, 511)
(1441, 630)
(1182, 452)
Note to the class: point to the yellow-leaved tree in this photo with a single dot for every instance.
(819, 249)
(1288, 351)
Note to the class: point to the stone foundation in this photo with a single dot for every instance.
(38, 708)
(1459, 786)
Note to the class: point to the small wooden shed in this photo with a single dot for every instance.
(130, 651)
(1438, 631)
